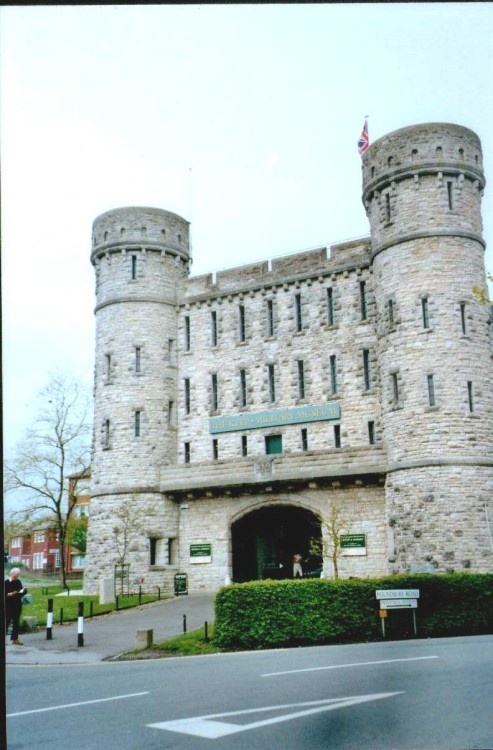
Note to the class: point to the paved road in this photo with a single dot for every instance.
(410, 695)
(113, 634)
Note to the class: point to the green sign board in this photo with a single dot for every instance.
(351, 541)
(200, 550)
(275, 418)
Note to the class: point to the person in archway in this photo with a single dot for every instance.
(297, 569)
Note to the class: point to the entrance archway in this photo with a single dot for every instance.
(265, 540)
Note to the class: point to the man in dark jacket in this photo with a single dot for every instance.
(14, 591)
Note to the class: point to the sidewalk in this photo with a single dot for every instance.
(109, 635)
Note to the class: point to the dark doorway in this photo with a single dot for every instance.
(265, 540)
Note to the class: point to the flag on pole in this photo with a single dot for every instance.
(363, 140)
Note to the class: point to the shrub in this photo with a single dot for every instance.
(268, 614)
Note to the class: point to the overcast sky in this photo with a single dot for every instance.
(242, 119)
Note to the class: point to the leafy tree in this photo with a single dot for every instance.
(54, 447)
(481, 293)
(77, 533)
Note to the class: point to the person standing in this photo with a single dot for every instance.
(297, 569)
(14, 591)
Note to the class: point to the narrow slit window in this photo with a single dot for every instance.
(395, 387)
(108, 366)
(333, 373)
(298, 312)
(390, 305)
(244, 445)
(106, 433)
(366, 369)
(241, 310)
(215, 449)
(431, 390)
(138, 359)
(172, 351)
(214, 400)
(371, 432)
(171, 414)
(470, 396)
(186, 452)
(425, 311)
(272, 384)
(134, 267)
(450, 194)
(301, 379)
(187, 333)
(330, 306)
(387, 207)
(243, 388)
(363, 301)
(270, 318)
(214, 328)
(137, 423)
(304, 439)
(187, 395)
(337, 435)
(463, 321)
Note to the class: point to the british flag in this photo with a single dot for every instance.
(364, 140)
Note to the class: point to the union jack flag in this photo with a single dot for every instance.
(364, 140)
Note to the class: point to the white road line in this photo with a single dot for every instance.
(345, 666)
(81, 703)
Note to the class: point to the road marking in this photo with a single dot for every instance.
(205, 726)
(81, 703)
(345, 666)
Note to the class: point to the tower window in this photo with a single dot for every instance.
(450, 194)
(390, 307)
(134, 267)
(304, 439)
(187, 333)
(470, 396)
(108, 366)
(337, 435)
(272, 384)
(171, 414)
(241, 310)
(395, 387)
(172, 351)
(366, 369)
(214, 328)
(425, 312)
(330, 306)
(244, 445)
(362, 298)
(431, 390)
(371, 432)
(463, 321)
(333, 373)
(270, 318)
(137, 423)
(215, 449)
(387, 207)
(186, 452)
(138, 358)
(243, 388)
(214, 399)
(106, 434)
(187, 395)
(299, 318)
(301, 378)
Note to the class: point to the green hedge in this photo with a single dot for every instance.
(268, 614)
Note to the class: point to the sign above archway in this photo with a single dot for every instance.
(275, 418)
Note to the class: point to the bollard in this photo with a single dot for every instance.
(159, 593)
(140, 595)
(49, 620)
(144, 638)
(61, 615)
(206, 632)
(90, 608)
(80, 624)
(184, 623)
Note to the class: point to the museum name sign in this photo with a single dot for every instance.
(275, 418)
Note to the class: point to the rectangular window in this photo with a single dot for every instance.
(272, 384)
(395, 387)
(330, 306)
(337, 435)
(273, 444)
(214, 395)
(470, 398)
(333, 373)
(38, 558)
(425, 311)
(106, 437)
(186, 452)
(301, 378)
(241, 310)
(371, 432)
(391, 311)
(215, 449)
(450, 194)
(172, 351)
(137, 423)
(108, 366)
(299, 319)
(152, 551)
(171, 551)
(187, 395)
(187, 333)
(39, 536)
(134, 267)
(366, 369)
(243, 388)
(214, 328)
(270, 317)
(362, 299)
(137, 358)
(463, 322)
(387, 207)
(171, 414)
(304, 439)
(431, 390)
(244, 445)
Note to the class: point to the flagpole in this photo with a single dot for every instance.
(190, 214)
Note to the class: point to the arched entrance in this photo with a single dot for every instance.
(265, 540)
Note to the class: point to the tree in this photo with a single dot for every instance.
(329, 544)
(56, 446)
(77, 533)
(481, 293)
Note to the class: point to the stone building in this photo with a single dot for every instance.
(341, 395)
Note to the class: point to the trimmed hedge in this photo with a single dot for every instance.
(269, 614)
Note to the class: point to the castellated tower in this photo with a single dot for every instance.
(422, 189)
(140, 256)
